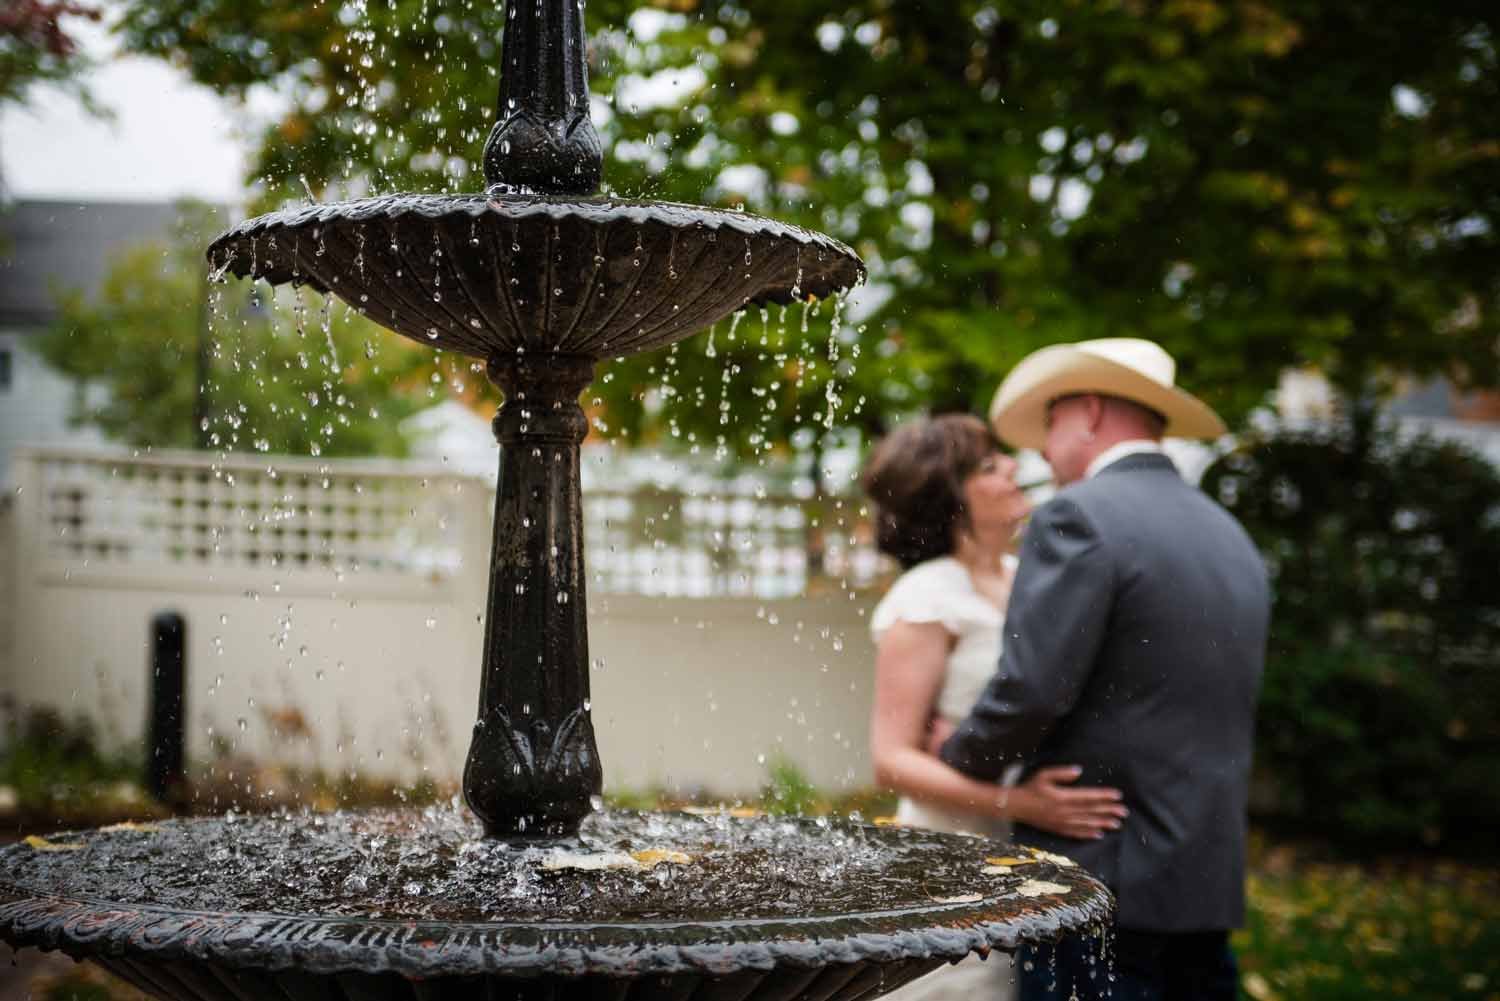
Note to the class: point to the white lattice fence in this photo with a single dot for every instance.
(102, 511)
(184, 511)
(724, 543)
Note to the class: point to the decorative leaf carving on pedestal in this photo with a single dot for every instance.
(551, 771)
(543, 140)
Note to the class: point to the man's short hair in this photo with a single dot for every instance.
(1154, 421)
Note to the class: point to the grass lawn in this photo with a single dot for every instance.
(1341, 932)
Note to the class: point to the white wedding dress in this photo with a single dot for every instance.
(941, 591)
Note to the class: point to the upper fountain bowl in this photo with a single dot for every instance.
(492, 275)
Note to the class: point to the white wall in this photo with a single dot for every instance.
(699, 693)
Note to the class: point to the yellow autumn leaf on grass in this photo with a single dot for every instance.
(43, 845)
(1257, 987)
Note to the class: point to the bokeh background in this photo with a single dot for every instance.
(1298, 198)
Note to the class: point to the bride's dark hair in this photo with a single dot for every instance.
(914, 478)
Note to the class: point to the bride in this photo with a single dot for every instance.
(947, 507)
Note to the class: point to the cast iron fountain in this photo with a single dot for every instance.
(545, 895)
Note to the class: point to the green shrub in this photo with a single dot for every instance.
(1380, 712)
(789, 791)
(46, 758)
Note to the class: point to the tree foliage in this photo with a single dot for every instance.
(36, 45)
(1378, 720)
(1253, 184)
(301, 376)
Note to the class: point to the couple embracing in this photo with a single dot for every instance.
(1098, 689)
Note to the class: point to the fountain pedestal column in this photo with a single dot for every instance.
(533, 766)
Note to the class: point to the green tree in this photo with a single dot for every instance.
(184, 362)
(1254, 184)
(36, 46)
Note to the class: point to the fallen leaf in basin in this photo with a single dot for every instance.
(962, 898)
(1061, 860)
(43, 845)
(588, 861)
(647, 858)
(1008, 860)
(1040, 888)
(130, 825)
(651, 857)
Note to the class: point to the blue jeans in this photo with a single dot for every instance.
(1147, 966)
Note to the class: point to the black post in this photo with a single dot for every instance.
(533, 767)
(164, 757)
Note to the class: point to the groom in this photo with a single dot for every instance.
(1133, 647)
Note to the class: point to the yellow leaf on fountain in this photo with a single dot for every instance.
(130, 825)
(1040, 888)
(885, 822)
(1061, 860)
(651, 857)
(1007, 860)
(43, 845)
(561, 858)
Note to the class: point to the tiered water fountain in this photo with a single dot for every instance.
(545, 895)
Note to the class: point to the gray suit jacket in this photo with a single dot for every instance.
(1134, 644)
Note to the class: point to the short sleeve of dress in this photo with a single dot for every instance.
(936, 591)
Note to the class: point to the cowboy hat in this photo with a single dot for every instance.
(1126, 367)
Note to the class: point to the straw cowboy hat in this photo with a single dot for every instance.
(1127, 367)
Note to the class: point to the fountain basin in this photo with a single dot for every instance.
(488, 276)
(421, 904)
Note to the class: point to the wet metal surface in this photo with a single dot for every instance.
(485, 276)
(533, 763)
(427, 895)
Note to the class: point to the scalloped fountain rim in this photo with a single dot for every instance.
(598, 209)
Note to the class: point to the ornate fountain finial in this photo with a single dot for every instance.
(543, 140)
